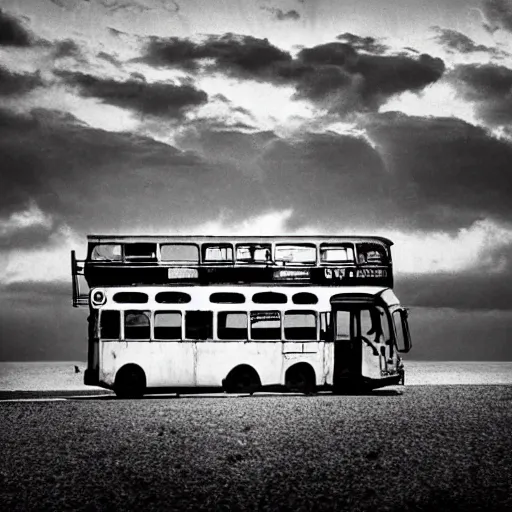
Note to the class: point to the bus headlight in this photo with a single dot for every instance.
(98, 298)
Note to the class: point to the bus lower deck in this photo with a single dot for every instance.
(151, 339)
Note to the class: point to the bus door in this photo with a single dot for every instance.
(362, 342)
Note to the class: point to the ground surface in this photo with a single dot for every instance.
(445, 448)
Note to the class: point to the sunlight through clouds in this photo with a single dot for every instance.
(44, 264)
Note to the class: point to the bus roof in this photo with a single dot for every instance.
(237, 238)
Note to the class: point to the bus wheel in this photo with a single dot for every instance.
(130, 382)
(243, 379)
(301, 378)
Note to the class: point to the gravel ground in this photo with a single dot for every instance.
(444, 448)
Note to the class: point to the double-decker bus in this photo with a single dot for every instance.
(197, 314)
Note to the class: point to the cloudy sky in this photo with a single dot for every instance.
(390, 117)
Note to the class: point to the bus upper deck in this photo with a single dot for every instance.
(277, 260)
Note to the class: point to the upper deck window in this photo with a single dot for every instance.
(368, 253)
(180, 253)
(337, 254)
(106, 252)
(220, 253)
(140, 252)
(269, 298)
(254, 253)
(295, 253)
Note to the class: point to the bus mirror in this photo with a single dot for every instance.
(403, 338)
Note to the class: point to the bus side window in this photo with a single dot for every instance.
(168, 325)
(110, 322)
(232, 326)
(342, 325)
(199, 325)
(265, 325)
(137, 325)
(300, 325)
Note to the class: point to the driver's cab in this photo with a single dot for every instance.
(369, 330)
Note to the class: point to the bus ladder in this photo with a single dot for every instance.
(77, 270)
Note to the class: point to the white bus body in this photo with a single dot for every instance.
(244, 338)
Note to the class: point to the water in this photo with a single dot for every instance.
(61, 375)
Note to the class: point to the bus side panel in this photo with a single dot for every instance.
(216, 359)
(312, 354)
(371, 363)
(167, 363)
(328, 363)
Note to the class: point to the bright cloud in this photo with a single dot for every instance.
(31, 217)
(44, 264)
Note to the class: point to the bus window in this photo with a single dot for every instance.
(342, 325)
(199, 325)
(218, 253)
(372, 254)
(300, 325)
(168, 325)
(106, 252)
(265, 325)
(140, 252)
(137, 325)
(269, 298)
(227, 298)
(374, 324)
(130, 298)
(305, 298)
(110, 322)
(402, 331)
(337, 254)
(179, 252)
(254, 253)
(295, 253)
(173, 298)
(232, 326)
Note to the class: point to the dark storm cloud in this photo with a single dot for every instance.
(12, 32)
(334, 75)
(463, 290)
(15, 84)
(231, 52)
(489, 87)
(450, 173)
(161, 99)
(281, 15)
(498, 14)
(453, 40)
(103, 181)
(67, 48)
(109, 58)
(347, 80)
(63, 166)
(485, 287)
(366, 44)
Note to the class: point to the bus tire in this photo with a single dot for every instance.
(130, 382)
(301, 378)
(242, 379)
